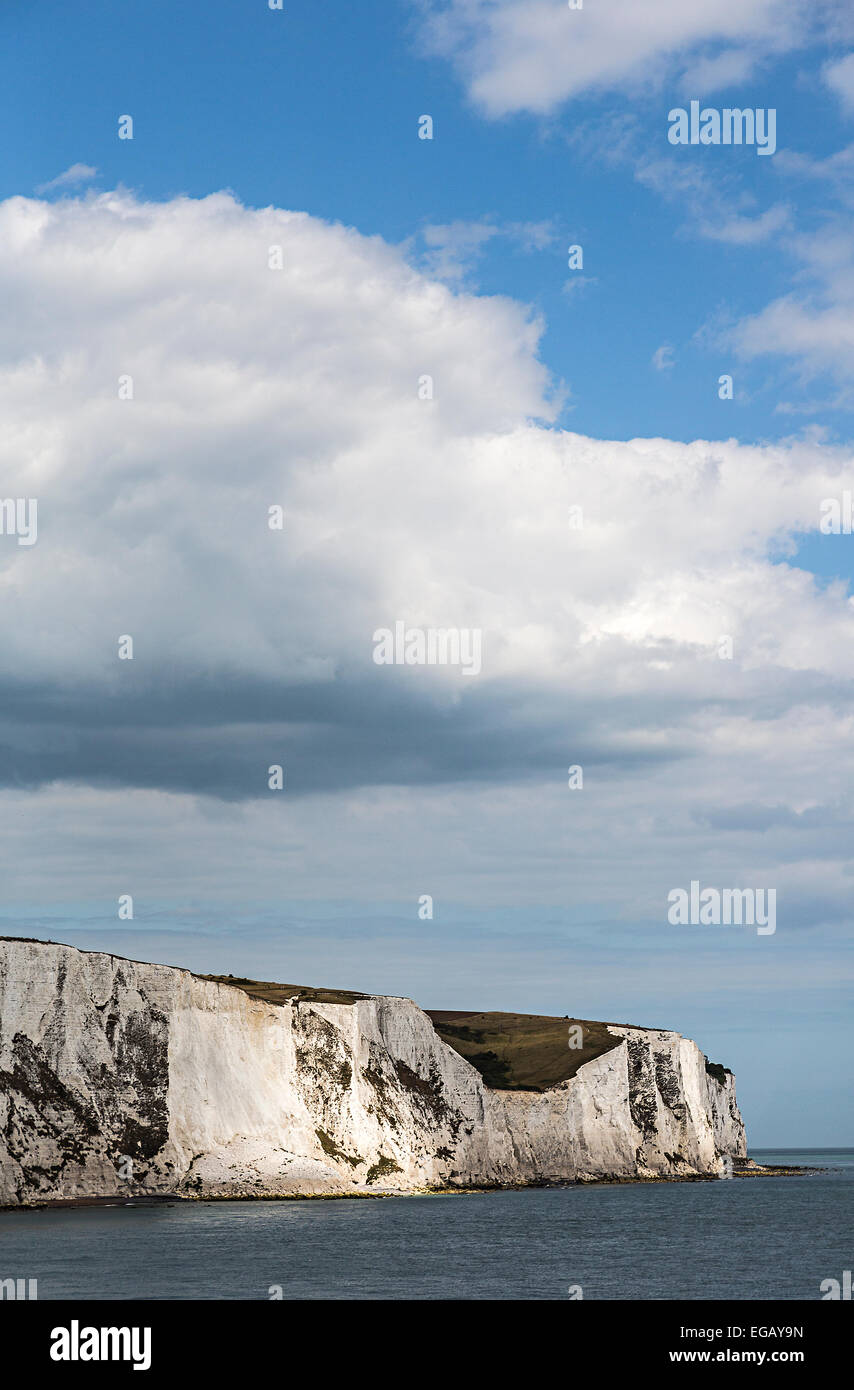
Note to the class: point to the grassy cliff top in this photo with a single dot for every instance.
(512, 1052)
(521, 1052)
(272, 993)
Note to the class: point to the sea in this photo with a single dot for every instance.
(775, 1238)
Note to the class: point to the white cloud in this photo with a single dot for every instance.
(533, 55)
(714, 208)
(578, 285)
(76, 174)
(454, 248)
(837, 169)
(717, 208)
(740, 230)
(663, 358)
(298, 387)
(812, 326)
(712, 74)
(839, 76)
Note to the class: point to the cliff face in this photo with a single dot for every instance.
(118, 1077)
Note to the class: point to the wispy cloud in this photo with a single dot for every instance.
(716, 209)
(839, 77)
(454, 248)
(69, 178)
(529, 55)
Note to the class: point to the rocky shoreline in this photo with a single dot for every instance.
(750, 1170)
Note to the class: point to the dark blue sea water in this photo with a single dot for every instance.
(749, 1238)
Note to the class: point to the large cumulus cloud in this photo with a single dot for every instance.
(298, 387)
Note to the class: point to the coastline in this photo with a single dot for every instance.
(750, 1169)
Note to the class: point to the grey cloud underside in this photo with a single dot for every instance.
(218, 735)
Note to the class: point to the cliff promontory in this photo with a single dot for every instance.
(119, 1077)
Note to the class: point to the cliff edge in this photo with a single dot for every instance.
(120, 1077)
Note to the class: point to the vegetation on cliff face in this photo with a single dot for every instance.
(332, 1150)
(718, 1071)
(382, 1168)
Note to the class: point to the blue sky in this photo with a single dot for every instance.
(697, 262)
(315, 108)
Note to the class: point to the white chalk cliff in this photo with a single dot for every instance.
(118, 1076)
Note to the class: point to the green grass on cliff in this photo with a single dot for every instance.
(512, 1052)
(521, 1052)
(280, 994)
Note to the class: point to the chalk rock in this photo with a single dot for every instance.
(120, 1078)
